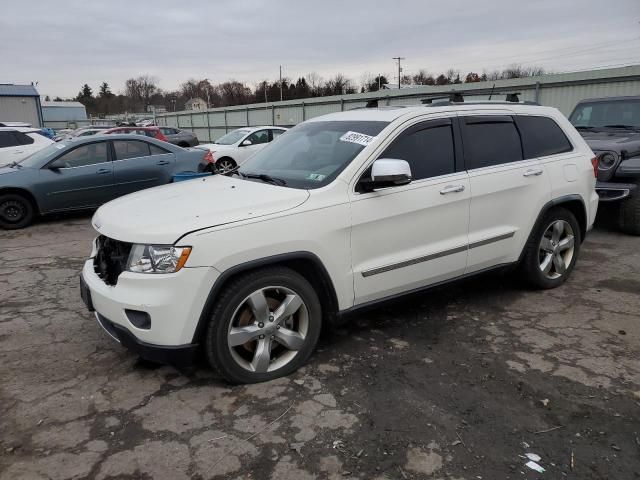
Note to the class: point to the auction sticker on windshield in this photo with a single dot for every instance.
(359, 138)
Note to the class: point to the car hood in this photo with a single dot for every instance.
(215, 147)
(163, 214)
(5, 168)
(612, 139)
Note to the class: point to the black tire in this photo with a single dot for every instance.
(232, 297)
(183, 144)
(16, 211)
(530, 266)
(629, 214)
(225, 161)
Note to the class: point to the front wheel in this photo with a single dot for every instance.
(552, 249)
(16, 211)
(264, 325)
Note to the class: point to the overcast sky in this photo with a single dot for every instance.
(66, 43)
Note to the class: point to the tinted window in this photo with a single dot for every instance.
(429, 151)
(155, 150)
(169, 131)
(261, 136)
(541, 136)
(130, 149)
(604, 113)
(276, 133)
(23, 139)
(490, 142)
(86, 155)
(8, 140)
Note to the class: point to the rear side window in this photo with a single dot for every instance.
(8, 140)
(130, 149)
(23, 139)
(155, 150)
(541, 136)
(428, 149)
(490, 141)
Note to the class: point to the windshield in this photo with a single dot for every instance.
(35, 160)
(602, 114)
(231, 137)
(312, 154)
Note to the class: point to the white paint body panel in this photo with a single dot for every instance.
(230, 222)
(20, 152)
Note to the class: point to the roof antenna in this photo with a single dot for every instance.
(491, 93)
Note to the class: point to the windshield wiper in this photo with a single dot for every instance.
(15, 164)
(265, 178)
(626, 127)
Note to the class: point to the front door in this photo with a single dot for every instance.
(410, 236)
(85, 181)
(258, 139)
(139, 164)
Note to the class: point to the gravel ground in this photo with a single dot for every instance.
(457, 383)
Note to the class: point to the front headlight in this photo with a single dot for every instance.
(157, 258)
(607, 160)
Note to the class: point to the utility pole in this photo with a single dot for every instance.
(280, 82)
(399, 59)
(379, 82)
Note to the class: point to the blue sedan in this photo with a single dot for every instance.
(84, 173)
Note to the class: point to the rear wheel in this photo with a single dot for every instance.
(265, 325)
(16, 211)
(552, 249)
(629, 214)
(225, 165)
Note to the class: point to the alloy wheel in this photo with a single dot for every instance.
(556, 249)
(268, 329)
(224, 166)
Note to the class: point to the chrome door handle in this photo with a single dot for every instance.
(452, 189)
(102, 171)
(532, 172)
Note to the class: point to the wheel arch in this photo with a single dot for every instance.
(305, 263)
(574, 203)
(25, 193)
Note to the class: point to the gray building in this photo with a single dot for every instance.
(58, 115)
(560, 90)
(20, 103)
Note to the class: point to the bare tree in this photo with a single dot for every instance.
(315, 82)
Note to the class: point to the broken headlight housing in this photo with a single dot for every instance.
(157, 258)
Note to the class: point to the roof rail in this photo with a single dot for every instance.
(448, 103)
(455, 97)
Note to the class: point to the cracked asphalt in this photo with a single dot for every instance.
(457, 383)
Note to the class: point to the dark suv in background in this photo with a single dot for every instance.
(611, 127)
(182, 138)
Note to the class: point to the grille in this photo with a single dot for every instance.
(111, 259)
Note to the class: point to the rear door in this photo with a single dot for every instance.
(85, 181)
(139, 164)
(508, 190)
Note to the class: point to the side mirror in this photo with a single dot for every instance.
(390, 172)
(246, 143)
(56, 165)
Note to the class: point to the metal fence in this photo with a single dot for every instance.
(562, 91)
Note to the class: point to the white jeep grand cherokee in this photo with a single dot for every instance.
(340, 212)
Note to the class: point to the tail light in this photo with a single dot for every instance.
(160, 136)
(594, 162)
(208, 157)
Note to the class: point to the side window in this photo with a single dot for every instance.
(86, 155)
(541, 136)
(428, 149)
(8, 140)
(130, 149)
(490, 141)
(23, 139)
(261, 136)
(155, 150)
(276, 133)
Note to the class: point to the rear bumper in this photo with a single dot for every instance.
(179, 356)
(612, 191)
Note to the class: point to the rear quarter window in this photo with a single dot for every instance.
(541, 136)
